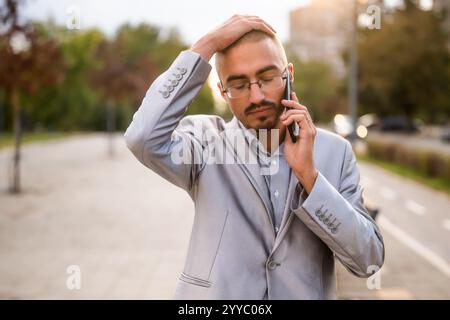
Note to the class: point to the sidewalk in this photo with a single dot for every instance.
(128, 230)
(405, 275)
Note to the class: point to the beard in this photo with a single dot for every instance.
(268, 120)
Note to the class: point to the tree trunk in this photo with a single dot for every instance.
(111, 128)
(15, 186)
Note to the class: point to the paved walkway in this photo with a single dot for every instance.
(127, 230)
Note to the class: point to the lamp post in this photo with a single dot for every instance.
(353, 72)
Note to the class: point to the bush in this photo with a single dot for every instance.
(430, 163)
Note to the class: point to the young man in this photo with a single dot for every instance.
(264, 229)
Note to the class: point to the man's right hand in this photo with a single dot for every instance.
(227, 33)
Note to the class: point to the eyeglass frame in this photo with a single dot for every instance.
(258, 82)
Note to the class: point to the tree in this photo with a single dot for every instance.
(28, 62)
(404, 66)
(316, 87)
(125, 72)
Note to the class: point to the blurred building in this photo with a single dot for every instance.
(321, 30)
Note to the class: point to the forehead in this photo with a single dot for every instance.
(249, 57)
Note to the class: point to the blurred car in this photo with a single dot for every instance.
(445, 136)
(342, 125)
(398, 124)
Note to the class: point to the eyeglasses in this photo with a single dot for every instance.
(266, 84)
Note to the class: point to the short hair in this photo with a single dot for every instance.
(251, 36)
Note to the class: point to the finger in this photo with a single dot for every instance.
(258, 19)
(257, 25)
(294, 97)
(293, 104)
(297, 106)
(291, 112)
(302, 120)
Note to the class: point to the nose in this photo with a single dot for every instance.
(255, 95)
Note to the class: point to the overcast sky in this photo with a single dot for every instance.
(193, 18)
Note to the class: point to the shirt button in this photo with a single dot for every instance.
(277, 229)
(276, 193)
(274, 162)
(272, 265)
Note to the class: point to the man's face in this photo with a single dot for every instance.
(250, 62)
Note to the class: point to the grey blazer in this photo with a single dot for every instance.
(234, 252)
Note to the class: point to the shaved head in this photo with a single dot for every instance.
(253, 36)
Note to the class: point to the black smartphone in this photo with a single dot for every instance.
(293, 127)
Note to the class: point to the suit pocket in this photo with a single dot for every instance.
(205, 244)
(195, 281)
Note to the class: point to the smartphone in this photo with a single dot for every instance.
(293, 128)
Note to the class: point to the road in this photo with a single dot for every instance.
(127, 229)
(415, 222)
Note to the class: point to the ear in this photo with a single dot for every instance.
(290, 68)
(224, 96)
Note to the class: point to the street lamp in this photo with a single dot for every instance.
(353, 72)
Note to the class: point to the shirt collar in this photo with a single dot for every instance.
(254, 142)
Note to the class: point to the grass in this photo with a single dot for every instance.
(435, 183)
(7, 139)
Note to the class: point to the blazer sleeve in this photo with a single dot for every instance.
(340, 219)
(156, 137)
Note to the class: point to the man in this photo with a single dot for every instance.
(265, 229)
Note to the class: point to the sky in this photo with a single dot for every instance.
(194, 18)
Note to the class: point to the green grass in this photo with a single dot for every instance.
(435, 183)
(7, 140)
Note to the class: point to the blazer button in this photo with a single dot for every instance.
(182, 70)
(165, 94)
(273, 264)
(169, 88)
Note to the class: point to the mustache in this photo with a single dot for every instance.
(264, 103)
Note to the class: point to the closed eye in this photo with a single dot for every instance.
(267, 79)
(239, 86)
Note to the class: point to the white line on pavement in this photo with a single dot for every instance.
(388, 193)
(414, 245)
(415, 207)
(446, 224)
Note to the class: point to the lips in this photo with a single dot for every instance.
(260, 110)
